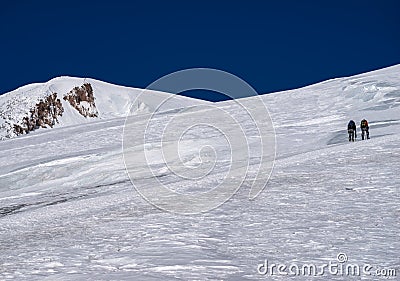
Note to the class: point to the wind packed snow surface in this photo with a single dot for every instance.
(68, 210)
(110, 101)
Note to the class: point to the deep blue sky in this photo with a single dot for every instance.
(273, 45)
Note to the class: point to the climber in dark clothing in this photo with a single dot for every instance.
(352, 130)
(364, 129)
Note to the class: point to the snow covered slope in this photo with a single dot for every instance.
(69, 212)
(318, 114)
(76, 101)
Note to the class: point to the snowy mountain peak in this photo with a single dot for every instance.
(65, 101)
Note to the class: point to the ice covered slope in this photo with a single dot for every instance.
(316, 116)
(68, 210)
(65, 101)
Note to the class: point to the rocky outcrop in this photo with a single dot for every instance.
(82, 99)
(44, 114)
(22, 114)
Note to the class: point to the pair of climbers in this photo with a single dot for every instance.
(352, 130)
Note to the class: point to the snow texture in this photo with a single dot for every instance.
(110, 101)
(68, 210)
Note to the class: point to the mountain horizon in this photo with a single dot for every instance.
(77, 200)
(78, 96)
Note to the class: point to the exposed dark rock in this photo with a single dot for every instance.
(43, 114)
(82, 99)
(46, 111)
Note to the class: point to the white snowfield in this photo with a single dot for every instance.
(68, 210)
(111, 101)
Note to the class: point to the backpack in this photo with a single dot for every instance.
(364, 123)
(351, 125)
